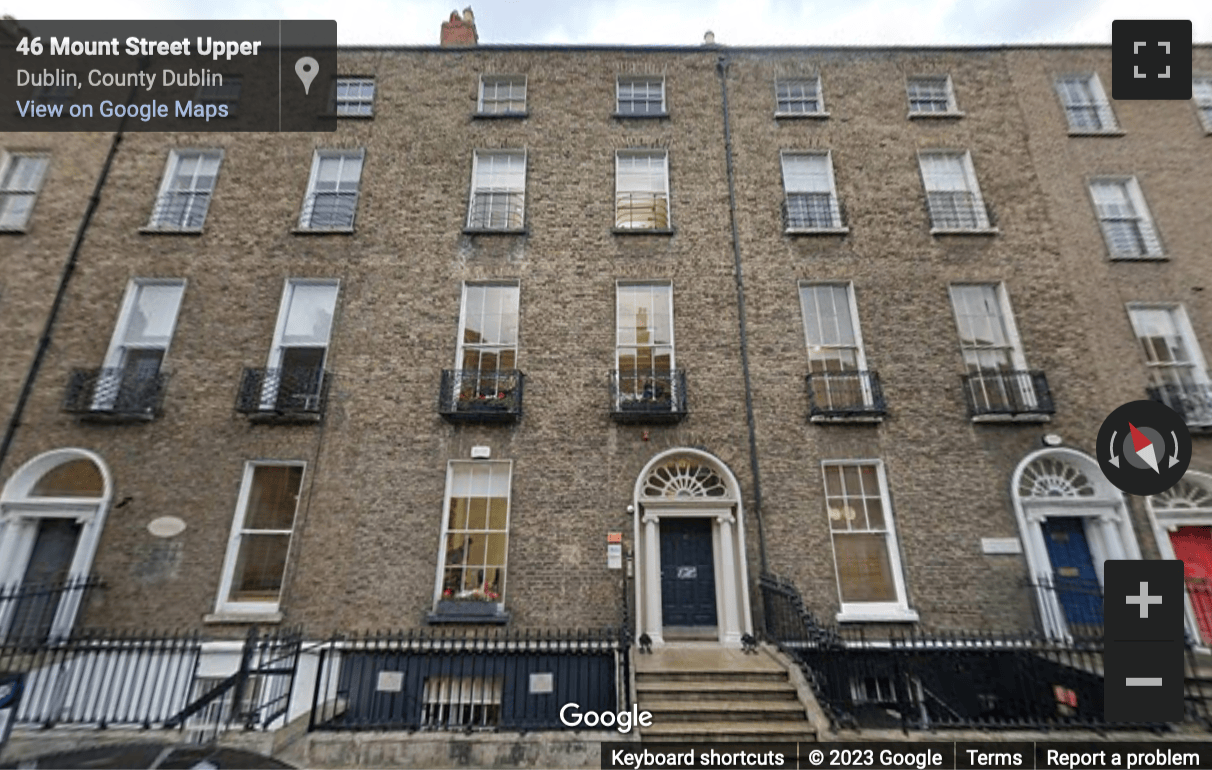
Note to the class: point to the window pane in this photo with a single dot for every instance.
(806, 173)
(944, 172)
(76, 478)
(154, 313)
(259, 568)
(863, 567)
(273, 497)
(309, 317)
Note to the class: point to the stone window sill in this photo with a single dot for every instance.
(964, 231)
(242, 617)
(883, 616)
(928, 115)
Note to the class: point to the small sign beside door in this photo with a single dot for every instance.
(614, 556)
(688, 573)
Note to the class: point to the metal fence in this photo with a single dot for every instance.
(648, 396)
(288, 393)
(845, 394)
(982, 680)
(30, 614)
(115, 393)
(438, 680)
(481, 395)
(107, 678)
(1007, 393)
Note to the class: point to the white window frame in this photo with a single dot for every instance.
(223, 604)
(952, 110)
(1196, 365)
(270, 385)
(1098, 102)
(167, 191)
(351, 107)
(1203, 101)
(835, 204)
(462, 346)
(8, 160)
(306, 215)
(451, 465)
(674, 397)
(633, 80)
(791, 82)
(115, 356)
(897, 611)
(1149, 236)
(981, 211)
(631, 224)
(1018, 359)
(497, 81)
(519, 192)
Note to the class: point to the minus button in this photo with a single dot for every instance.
(1144, 681)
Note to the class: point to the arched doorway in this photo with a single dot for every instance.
(691, 575)
(1182, 526)
(52, 512)
(1071, 520)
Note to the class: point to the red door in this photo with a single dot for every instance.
(1194, 546)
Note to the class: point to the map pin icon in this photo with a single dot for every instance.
(307, 68)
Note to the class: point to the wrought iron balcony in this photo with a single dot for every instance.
(846, 397)
(1192, 401)
(958, 211)
(1008, 396)
(115, 394)
(497, 211)
(813, 212)
(641, 211)
(471, 395)
(650, 397)
(295, 394)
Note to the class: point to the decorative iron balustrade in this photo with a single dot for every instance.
(1067, 607)
(451, 681)
(471, 395)
(958, 210)
(805, 212)
(1008, 394)
(294, 394)
(1192, 401)
(842, 396)
(641, 211)
(107, 678)
(116, 394)
(497, 211)
(330, 210)
(181, 210)
(938, 680)
(648, 397)
(33, 614)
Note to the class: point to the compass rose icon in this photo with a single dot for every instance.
(1144, 447)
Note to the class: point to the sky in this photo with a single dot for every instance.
(671, 22)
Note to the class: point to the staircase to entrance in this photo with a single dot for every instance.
(708, 693)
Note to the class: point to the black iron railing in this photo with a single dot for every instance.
(930, 680)
(497, 211)
(845, 395)
(958, 210)
(181, 210)
(115, 393)
(648, 397)
(472, 395)
(1007, 394)
(297, 394)
(330, 210)
(106, 678)
(805, 212)
(33, 614)
(641, 211)
(1192, 401)
(1067, 607)
(429, 680)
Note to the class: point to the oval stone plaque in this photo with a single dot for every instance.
(166, 526)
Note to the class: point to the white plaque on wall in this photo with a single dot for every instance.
(614, 556)
(542, 684)
(1001, 545)
(391, 681)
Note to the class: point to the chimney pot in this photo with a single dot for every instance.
(460, 31)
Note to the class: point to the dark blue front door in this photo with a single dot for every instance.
(1073, 575)
(687, 573)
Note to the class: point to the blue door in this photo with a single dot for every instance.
(687, 573)
(1073, 575)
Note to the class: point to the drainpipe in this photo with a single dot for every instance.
(73, 256)
(722, 68)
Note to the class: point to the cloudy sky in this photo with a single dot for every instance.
(672, 22)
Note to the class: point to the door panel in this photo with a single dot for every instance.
(48, 568)
(1073, 573)
(687, 573)
(1194, 546)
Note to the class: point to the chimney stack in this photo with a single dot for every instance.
(460, 31)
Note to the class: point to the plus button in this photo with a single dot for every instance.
(1144, 600)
